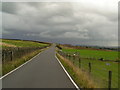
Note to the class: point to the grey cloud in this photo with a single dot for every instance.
(10, 7)
(60, 22)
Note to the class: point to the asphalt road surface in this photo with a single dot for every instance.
(43, 71)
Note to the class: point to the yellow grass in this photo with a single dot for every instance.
(82, 78)
(6, 44)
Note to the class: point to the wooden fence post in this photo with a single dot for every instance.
(3, 56)
(79, 63)
(109, 79)
(11, 53)
(89, 67)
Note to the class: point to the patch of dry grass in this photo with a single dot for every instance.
(6, 44)
(82, 78)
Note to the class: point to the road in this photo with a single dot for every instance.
(43, 71)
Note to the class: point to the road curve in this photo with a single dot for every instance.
(43, 71)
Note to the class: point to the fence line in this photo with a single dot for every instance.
(10, 54)
(76, 57)
(110, 80)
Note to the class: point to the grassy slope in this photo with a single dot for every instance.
(20, 43)
(99, 69)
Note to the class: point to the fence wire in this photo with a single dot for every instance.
(96, 68)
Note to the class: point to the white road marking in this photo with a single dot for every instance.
(20, 66)
(67, 73)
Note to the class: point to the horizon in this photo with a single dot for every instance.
(62, 43)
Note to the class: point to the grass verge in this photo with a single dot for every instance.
(81, 78)
(9, 66)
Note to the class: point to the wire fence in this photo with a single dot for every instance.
(9, 54)
(105, 73)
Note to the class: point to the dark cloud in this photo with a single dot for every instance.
(9, 7)
(73, 23)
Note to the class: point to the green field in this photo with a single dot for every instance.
(99, 69)
(21, 43)
(107, 55)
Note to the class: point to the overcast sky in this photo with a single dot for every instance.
(88, 22)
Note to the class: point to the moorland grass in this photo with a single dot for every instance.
(22, 43)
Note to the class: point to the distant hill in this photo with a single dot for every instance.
(92, 47)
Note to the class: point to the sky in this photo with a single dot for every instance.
(87, 22)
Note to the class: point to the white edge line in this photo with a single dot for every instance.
(67, 73)
(20, 66)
